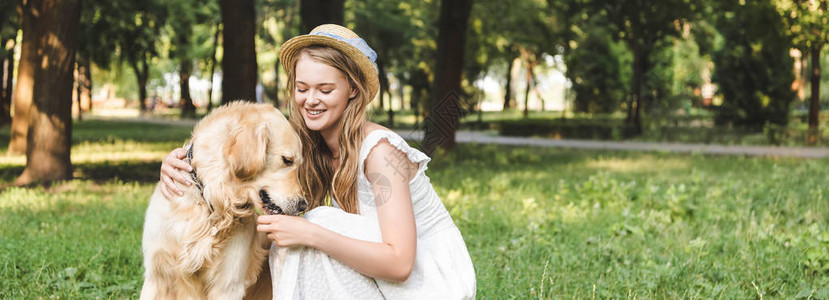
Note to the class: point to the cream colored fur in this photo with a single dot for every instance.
(192, 253)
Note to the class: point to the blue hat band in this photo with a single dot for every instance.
(358, 43)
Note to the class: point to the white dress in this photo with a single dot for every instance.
(442, 268)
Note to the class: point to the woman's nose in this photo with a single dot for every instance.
(312, 98)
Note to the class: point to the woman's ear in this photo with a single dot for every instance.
(354, 92)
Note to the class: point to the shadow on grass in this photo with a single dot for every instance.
(109, 130)
(140, 171)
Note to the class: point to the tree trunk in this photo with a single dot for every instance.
(188, 109)
(77, 95)
(29, 12)
(7, 77)
(538, 94)
(317, 12)
(384, 89)
(814, 103)
(639, 68)
(401, 92)
(276, 84)
(87, 88)
(213, 66)
(239, 71)
(384, 81)
(50, 115)
(445, 100)
(142, 74)
(508, 86)
(84, 88)
(529, 87)
(414, 99)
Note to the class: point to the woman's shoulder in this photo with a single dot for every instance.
(370, 127)
(388, 144)
(381, 139)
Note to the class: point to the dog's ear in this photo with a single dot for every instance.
(246, 150)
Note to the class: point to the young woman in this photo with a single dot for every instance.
(385, 232)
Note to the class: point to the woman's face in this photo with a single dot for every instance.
(322, 93)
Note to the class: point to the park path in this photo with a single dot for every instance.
(485, 138)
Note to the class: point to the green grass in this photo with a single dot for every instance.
(539, 223)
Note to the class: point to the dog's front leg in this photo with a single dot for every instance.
(237, 269)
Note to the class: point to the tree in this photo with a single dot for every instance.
(386, 27)
(595, 67)
(317, 12)
(212, 64)
(8, 33)
(808, 23)
(239, 69)
(445, 99)
(50, 119)
(137, 27)
(524, 30)
(30, 22)
(186, 44)
(753, 68)
(279, 22)
(99, 36)
(642, 25)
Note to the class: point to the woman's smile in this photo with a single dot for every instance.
(313, 113)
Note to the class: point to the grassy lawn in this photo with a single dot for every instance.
(539, 223)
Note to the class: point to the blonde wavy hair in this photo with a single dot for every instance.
(316, 174)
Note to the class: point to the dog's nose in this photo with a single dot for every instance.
(302, 205)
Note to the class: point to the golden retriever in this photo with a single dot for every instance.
(204, 245)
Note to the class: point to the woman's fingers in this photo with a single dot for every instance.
(171, 165)
(176, 160)
(164, 192)
(169, 188)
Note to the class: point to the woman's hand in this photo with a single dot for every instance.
(170, 167)
(287, 231)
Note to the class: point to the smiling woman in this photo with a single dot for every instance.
(387, 234)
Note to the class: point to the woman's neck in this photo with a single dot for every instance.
(332, 139)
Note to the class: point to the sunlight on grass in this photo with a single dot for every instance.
(643, 164)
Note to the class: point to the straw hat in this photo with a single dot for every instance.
(342, 39)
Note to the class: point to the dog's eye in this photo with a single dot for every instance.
(287, 161)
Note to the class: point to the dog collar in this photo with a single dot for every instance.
(195, 178)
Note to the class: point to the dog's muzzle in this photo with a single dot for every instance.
(301, 204)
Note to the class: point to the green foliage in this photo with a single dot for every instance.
(753, 68)
(807, 21)
(8, 25)
(597, 65)
(538, 223)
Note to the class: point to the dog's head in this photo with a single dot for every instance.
(247, 155)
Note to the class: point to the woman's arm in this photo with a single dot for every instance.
(393, 259)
